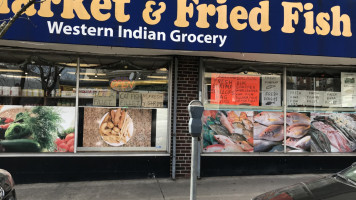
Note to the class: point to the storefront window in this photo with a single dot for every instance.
(123, 104)
(244, 111)
(35, 117)
(325, 99)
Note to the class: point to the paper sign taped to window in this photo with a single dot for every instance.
(152, 100)
(232, 89)
(129, 99)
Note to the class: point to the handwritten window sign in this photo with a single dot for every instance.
(332, 99)
(314, 98)
(152, 100)
(234, 89)
(271, 90)
(293, 97)
(129, 99)
(105, 100)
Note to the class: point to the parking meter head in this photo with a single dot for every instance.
(195, 109)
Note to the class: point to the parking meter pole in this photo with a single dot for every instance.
(195, 109)
(194, 165)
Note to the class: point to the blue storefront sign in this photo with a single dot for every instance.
(313, 27)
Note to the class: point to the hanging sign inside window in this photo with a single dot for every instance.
(271, 90)
(234, 89)
(122, 84)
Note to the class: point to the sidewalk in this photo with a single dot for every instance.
(214, 188)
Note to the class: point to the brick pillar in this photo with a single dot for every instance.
(187, 90)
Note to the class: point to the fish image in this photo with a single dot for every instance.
(297, 130)
(232, 148)
(248, 125)
(237, 137)
(273, 133)
(263, 145)
(345, 123)
(225, 122)
(214, 148)
(296, 151)
(304, 143)
(245, 146)
(233, 117)
(239, 146)
(223, 139)
(297, 118)
(278, 148)
(257, 129)
(269, 118)
(335, 137)
(243, 115)
(208, 114)
(291, 141)
(219, 130)
(319, 141)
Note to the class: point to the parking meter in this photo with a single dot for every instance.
(195, 109)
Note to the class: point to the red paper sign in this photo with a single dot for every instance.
(234, 89)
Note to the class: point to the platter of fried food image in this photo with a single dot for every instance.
(116, 127)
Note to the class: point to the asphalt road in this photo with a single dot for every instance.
(214, 188)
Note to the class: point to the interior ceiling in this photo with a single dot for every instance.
(19, 55)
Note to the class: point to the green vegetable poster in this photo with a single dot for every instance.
(37, 129)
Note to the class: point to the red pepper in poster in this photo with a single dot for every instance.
(231, 89)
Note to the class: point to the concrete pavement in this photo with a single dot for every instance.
(212, 188)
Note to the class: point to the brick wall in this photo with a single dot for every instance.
(187, 90)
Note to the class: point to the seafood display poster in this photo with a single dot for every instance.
(117, 127)
(232, 89)
(333, 132)
(252, 131)
(37, 129)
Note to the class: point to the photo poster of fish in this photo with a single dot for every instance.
(233, 89)
(268, 132)
(227, 131)
(333, 132)
(37, 129)
(348, 89)
(271, 90)
(118, 127)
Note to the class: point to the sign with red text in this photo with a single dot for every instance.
(234, 89)
(122, 84)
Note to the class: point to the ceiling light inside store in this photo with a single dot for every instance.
(89, 74)
(88, 79)
(11, 70)
(76, 64)
(162, 70)
(157, 77)
(14, 76)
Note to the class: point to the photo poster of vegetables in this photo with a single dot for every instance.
(37, 129)
(227, 131)
(268, 133)
(232, 89)
(117, 127)
(333, 132)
